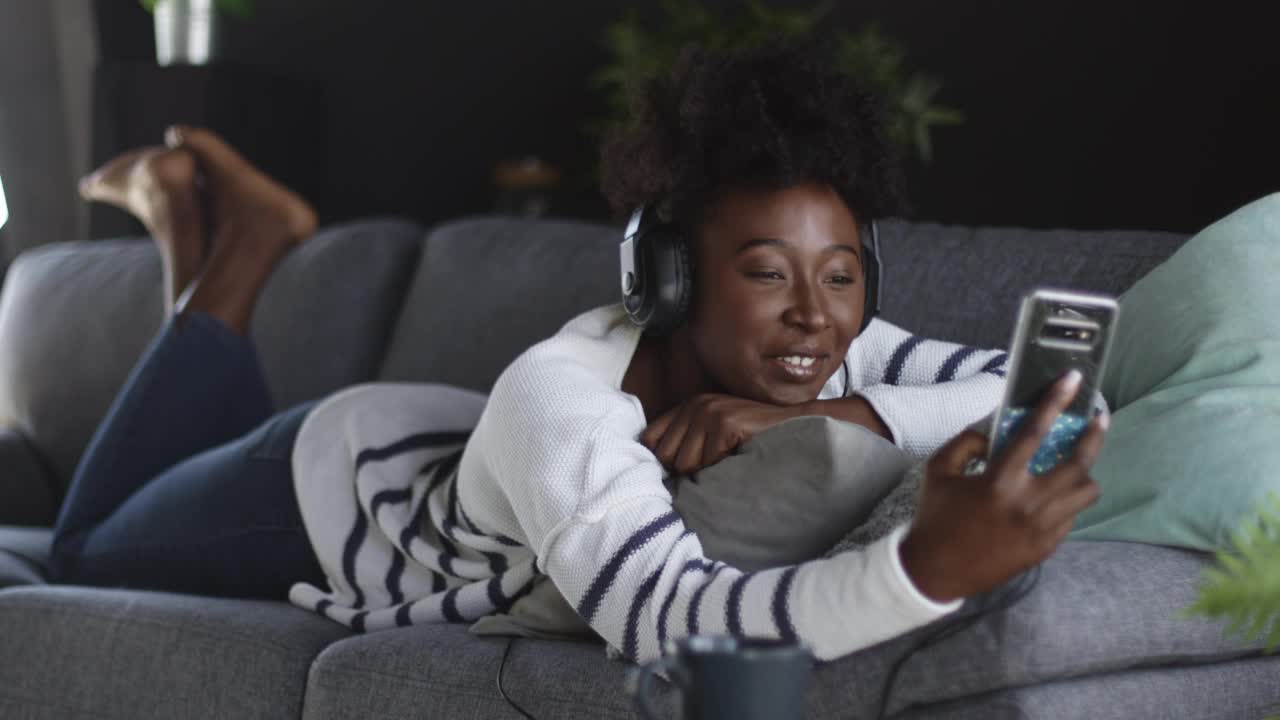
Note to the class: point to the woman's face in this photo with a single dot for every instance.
(778, 292)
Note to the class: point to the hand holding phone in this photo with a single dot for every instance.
(972, 533)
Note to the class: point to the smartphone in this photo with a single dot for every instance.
(1056, 331)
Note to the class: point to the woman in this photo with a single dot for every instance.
(767, 164)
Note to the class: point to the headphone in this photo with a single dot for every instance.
(657, 273)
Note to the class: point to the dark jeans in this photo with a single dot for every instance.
(187, 485)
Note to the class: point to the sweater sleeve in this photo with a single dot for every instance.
(589, 498)
(926, 391)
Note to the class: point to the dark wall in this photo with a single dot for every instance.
(1088, 114)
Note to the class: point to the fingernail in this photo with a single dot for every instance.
(1072, 380)
(1104, 421)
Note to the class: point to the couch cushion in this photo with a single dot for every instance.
(72, 652)
(1245, 689)
(1098, 607)
(963, 283)
(486, 289)
(442, 671)
(24, 555)
(74, 317)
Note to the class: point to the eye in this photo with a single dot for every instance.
(764, 274)
(842, 280)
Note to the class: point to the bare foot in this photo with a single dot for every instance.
(255, 221)
(157, 185)
(261, 208)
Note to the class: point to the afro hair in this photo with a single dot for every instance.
(765, 118)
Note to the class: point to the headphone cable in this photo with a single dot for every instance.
(1007, 598)
(501, 690)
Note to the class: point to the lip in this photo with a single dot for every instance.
(790, 373)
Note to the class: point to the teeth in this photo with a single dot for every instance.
(798, 361)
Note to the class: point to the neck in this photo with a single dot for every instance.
(665, 372)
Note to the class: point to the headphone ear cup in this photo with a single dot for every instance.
(871, 283)
(672, 281)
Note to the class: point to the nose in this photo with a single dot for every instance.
(807, 310)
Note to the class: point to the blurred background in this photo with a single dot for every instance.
(1092, 114)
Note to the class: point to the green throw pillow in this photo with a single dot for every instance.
(1194, 383)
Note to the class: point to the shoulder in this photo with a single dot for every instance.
(575, 373)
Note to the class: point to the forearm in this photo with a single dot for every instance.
(852, 409)
(666, 588)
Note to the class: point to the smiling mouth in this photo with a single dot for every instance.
(797, 368)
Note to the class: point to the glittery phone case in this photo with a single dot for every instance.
(1057, 330)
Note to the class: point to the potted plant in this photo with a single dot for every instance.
(875, 61)
(187, 31)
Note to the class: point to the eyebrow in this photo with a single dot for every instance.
(778, 242)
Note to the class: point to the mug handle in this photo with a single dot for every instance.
(640, 683)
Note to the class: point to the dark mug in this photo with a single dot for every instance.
(722, 677)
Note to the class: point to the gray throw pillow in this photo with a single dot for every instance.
(788, 495)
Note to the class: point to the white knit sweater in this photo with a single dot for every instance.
(554, 481)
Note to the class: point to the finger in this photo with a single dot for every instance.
(1087, 449)
(716, 448)
(669, 444)
(1064, 506)
(959, 450)
(656, 429)
(689, 456)
(1069, 472)
(1017, 454)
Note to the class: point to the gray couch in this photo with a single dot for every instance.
(382, 300)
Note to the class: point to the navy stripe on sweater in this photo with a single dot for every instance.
(394, 573)
(691, 619)
(733, 608)
(413, 442)
(690, 566)
(354, 540)
(402, 614)
(630, 637)
(604, 579)
(995, 365)
(948, 370)
(893, 372)
(388, 497)
(781, 605)
(449, 606)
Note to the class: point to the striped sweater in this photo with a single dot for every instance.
(415, 521)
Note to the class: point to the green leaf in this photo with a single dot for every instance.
(242, 9)
(637, 52)
(1244, 587)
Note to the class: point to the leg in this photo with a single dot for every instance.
(196, 387)
(245, 540)
(200, 384)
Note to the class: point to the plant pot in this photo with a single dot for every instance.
(186, 31)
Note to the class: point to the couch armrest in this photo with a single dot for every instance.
(26, 485)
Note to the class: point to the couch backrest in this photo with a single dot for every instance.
(963, 284)
(75, 317)
(489, 288)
